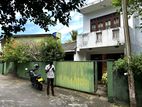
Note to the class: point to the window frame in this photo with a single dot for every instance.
(98, 37)
(103, 19)
(113, 35)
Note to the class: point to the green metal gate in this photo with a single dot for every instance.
(1, 67)
(75, 75)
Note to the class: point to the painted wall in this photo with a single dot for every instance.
(135, 33)
(98, 13)
(80, 56)
(90, 40)
(29, 39)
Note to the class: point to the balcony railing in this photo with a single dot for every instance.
(104, 38)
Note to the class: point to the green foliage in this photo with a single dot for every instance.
(104, 78)
(41, 12)
(14, 51)
(51, 50)
(136, 64)
(74, 34)
(120, 65)
(116, 2)
(47, 50)
(133, 6)
(34, 50)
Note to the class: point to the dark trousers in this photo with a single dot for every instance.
(50, 82)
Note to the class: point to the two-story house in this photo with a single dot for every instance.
(103, 33)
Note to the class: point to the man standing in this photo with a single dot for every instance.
(50, 69)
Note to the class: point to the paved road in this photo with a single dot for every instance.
(16, 92)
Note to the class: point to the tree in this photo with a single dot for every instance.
(127, 6)
(46, 50)
(73, 34)
(133, 6)
(51, 50)
(15, 52)
(41, 12)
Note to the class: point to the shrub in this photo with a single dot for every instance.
(135, 65)
(104, 78)
(51, 49)
(14, 51)
(23, 51)
(121, 66)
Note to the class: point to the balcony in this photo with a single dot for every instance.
(105, 38)
(95, 5)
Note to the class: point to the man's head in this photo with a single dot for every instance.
(51, 62)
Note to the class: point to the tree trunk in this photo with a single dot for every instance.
(131, 84)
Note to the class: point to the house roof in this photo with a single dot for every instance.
(69, 47)
(32, 35)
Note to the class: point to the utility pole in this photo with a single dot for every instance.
(131, 86)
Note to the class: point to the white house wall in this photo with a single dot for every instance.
(87, 41)
(87, 17)
(80, 56)
(136, 38)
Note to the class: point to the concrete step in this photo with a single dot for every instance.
(101, 91)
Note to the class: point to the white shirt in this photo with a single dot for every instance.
(50, 73)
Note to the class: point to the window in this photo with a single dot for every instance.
(105, 22)
(116, 22)
(100, 26)
(116, 34)
(108, 24)
(93, 27)
(99, 37)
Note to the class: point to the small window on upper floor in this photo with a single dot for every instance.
(98, 37)
(107, 24)
(116, 22)
(100, 26)
(116, 34)
(93, 27)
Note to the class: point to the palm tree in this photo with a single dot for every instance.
(74, 34)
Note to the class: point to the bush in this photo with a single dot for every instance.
(51, 49)
(121, 66)
(104, 78)
(135, 65)
(23, 51)
(14, 51)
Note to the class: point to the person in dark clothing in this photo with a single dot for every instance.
(50, 69)
(33, 75)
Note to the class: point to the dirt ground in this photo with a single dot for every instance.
(15, 92)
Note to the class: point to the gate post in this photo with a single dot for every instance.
(2, 67)
(95, 76)
(110, 87)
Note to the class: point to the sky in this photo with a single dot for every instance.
(76, 23)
